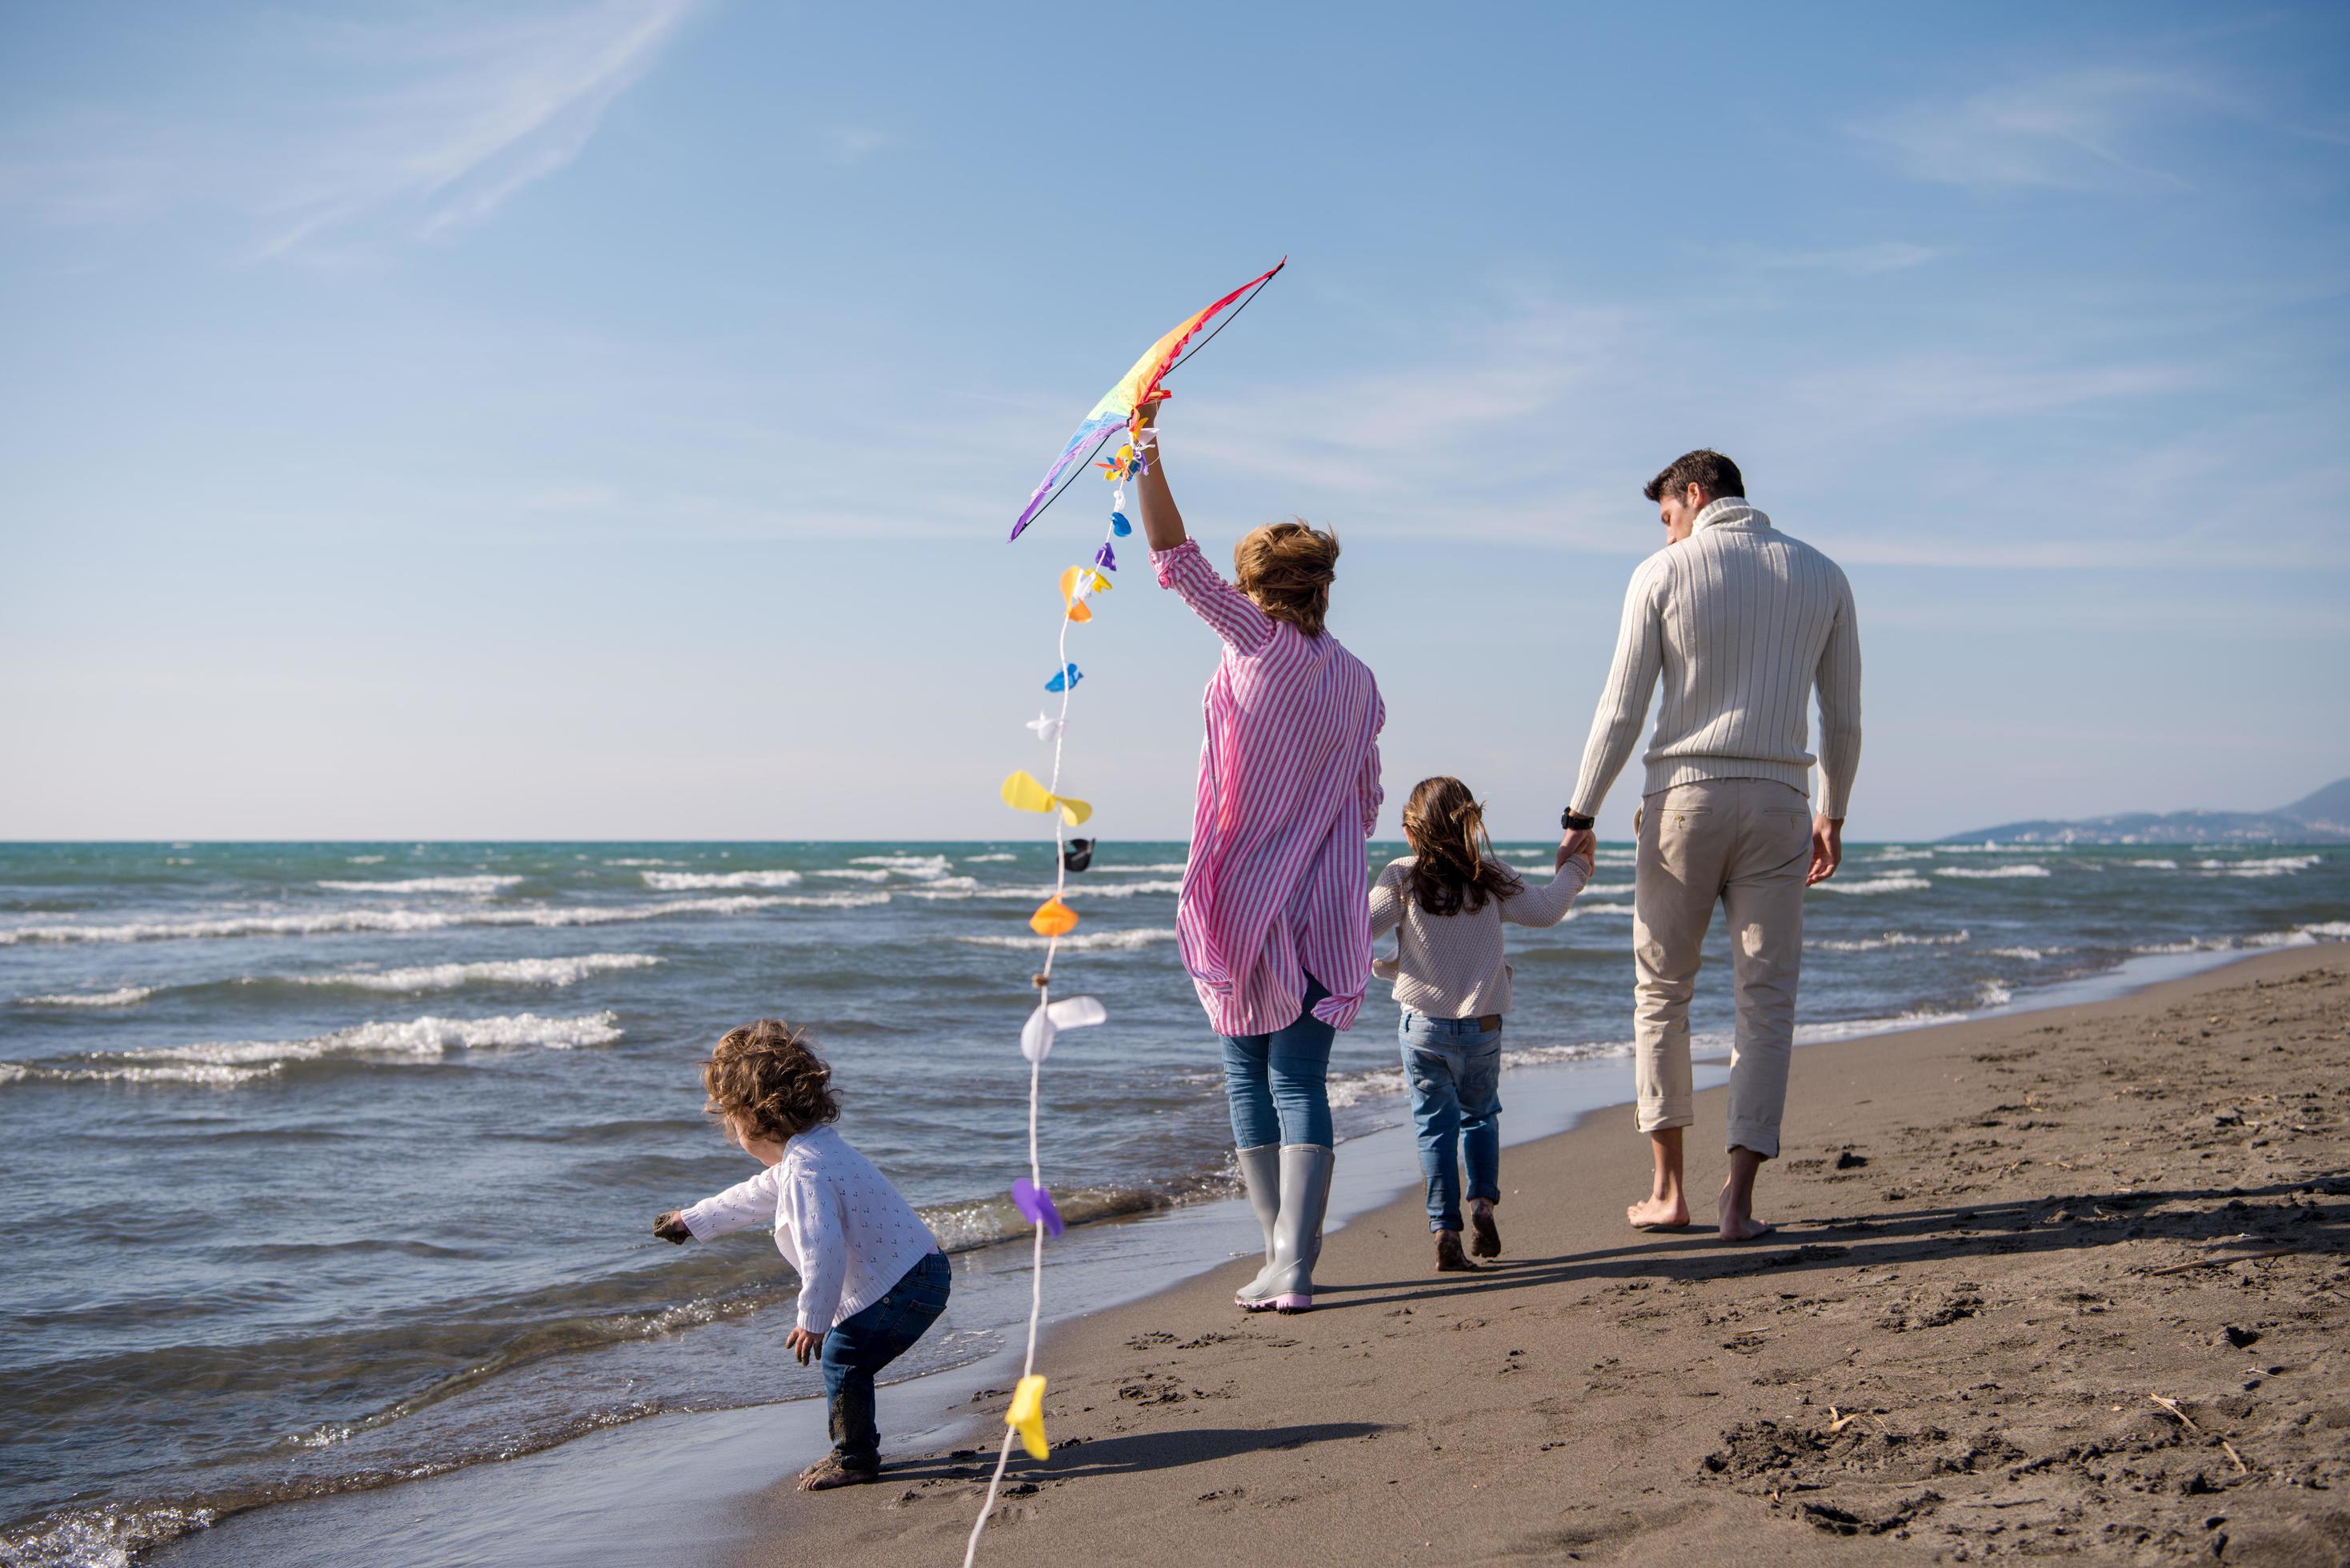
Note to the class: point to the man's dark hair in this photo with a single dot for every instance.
(1705, 468)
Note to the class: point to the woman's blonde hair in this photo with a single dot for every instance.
(1287, 568)
(764, 1079)
(1454, 869)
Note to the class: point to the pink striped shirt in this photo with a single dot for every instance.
(1289, 790)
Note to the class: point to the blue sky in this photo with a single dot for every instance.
(603, 420)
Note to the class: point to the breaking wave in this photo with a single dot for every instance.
(129, 996)
(226, 1063)
(1890, 940)
(507, 971)
(1990, 873)
(701, 881)
(485, 884)
(326, 922)
(1090, 941)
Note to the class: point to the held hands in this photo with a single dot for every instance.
(1583, 844)
(1827, 848)
(803, 1344)
(669, 1228)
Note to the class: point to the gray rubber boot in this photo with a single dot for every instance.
(1260, 1174)
(1305, 1171)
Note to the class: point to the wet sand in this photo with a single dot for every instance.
(2063, 1283)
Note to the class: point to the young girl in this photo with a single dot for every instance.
(873, 1278)
(1450, 896)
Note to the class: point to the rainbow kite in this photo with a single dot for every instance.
(1134, 390)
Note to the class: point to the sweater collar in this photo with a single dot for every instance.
(1730, 511)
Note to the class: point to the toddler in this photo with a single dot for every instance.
(872, 1278)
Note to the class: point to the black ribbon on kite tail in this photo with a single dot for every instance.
(1202, 343)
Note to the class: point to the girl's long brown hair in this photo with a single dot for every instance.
(1455, 869)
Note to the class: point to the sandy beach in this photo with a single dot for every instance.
(2061, 1282)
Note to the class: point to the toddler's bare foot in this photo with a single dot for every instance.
(1657, 1214)
(830, 1471)
(1450, 1259)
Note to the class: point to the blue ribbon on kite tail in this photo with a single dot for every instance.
(1089, 434)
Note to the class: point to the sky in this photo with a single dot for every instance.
(556, 421)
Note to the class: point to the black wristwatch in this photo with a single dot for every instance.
(1576, 822)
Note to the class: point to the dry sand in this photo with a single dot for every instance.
(2069, 1283)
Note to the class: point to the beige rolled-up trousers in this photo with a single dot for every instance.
(1744, 844)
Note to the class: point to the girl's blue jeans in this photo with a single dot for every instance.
(863, 1343)
(1455, 1068)
(1278, 1085)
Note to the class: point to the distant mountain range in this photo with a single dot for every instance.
(2320, 818)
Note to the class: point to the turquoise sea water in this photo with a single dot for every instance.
(333, 1163)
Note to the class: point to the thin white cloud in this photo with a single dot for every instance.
(2071, 129)
(484, 112)
(322, 137)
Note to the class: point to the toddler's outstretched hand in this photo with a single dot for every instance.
(669, 1228)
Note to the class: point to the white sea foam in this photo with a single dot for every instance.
(845, 899)
(639, 860)
(1162, 868)
(555, 971)
(1891, 940)
(326, 922)
(1605, 889)
(701, 881)
(983, 859)
(911, 864)
(855, 874)
(1899, 882)
(363, 860)
(129, 996)
(2281, 865)
(1582, 911)
(1995, 993)
(2300, 936)
(942, 888)
(1089, 942)
(1990, 873)
(1077, 889)
(1903, 854)
(2029, 955)
(2157, 865)
(428, 885)
(224, 1064)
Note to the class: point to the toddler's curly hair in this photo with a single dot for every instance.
(765, 1079)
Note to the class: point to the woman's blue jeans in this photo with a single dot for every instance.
(1455, 1068)
(863, 1343)
(1278, 1085)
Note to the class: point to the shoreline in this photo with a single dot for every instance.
(1338, 1416)
(527, 1509)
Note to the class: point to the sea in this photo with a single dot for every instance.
(333, 1166)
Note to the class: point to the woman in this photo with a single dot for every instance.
(1275, 930)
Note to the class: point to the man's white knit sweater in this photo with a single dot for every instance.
(1741, 623)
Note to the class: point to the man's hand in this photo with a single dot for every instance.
(669, 1228)
(1583, 844)
(1827, 848)
(803, 1344)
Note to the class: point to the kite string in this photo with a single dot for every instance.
(1035, 1085)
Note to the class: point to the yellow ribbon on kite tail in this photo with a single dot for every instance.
(1023, 792)
(1132, 390)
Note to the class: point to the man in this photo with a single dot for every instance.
(1741, 624)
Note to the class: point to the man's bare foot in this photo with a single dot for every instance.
(1737, 1226)
(1488, 1243)
(829, 1473)
(1450, 1259)
(1658, 1214)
